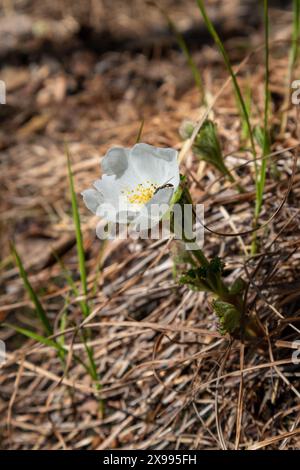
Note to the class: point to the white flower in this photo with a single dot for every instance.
(137, 185)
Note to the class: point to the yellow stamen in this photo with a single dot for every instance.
(142, 193)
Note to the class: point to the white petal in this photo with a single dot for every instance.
(92, 199)
(115, 161)
(107, 211)
(159, 165)
(111, 213)
(109, 187)
(152, 212)
(166, 154)
(115, 204)
(162, 196)
(124, 170)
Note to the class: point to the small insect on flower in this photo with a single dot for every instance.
(166, 185)
(134, 181)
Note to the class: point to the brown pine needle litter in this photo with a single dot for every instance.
(167, 378)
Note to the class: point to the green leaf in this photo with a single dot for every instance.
(33, 296)
(196, 279)
(216, 266)
(228, 315)
(207, 277)
(207, 147)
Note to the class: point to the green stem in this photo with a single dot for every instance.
(260, 181)
(293, 58)
(266, 149)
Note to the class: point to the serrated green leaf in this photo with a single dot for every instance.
(228, 315)
(207, 147)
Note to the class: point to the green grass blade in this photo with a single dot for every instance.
(70, 282)
(94, 375)
(63, 326)
(296, 32)
(32, 335)
(293, 58)
(93, 367)
(248, 104)
(99, 267)
(237, 89)
(266, 138)
(47, 342)
(83, 277)
(92, 370)
(79, 240)
(139, 136)
(183, 46)
(33, 296)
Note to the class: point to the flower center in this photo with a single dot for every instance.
(142, 193)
